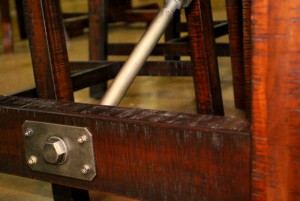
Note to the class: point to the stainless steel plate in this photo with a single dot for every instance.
(80, 160)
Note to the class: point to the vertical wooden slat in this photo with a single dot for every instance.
(235, 30)
(50, 65)
(276, 100)
(203, 54)
(98, 38)
(247, 54)
(98, 30)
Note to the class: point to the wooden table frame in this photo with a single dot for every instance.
(155, 155)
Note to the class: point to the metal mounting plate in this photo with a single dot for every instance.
(80, 162)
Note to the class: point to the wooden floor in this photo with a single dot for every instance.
(169, 93)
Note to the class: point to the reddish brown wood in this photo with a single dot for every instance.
(98, 29)
(276, 100)
(98, 39)
(202, 43)
(145, 154)
(8, 41)
(177, 48)
(124, 11)
(50, 65)
(247, 42)
(234, 10)
(48, 49)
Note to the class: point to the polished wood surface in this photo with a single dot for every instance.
(276, 100)
(202, 43)
(234, 10)
(48, 49)
(145, 154)
(51, 67)
(247, 43)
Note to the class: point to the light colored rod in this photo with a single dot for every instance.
(139, 55)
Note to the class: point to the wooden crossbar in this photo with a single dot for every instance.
(145, 154)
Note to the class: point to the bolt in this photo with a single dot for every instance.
(28, 132)
(55, 151)
(32, 160)
(82, 139)
(86, 169)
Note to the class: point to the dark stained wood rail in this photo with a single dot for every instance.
(145, 154)
(85, 74)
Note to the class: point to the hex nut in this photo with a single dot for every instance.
(55, 151)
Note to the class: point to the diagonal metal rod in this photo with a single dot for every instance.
(141, 52)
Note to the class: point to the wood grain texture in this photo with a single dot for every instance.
(48, 49)
(98, 29)
(247, 43)
(276, 100)
(51, 66)
(234, 10)
(145, 154)
(203, 54)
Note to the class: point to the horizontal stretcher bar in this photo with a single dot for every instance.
(146, 154)
(87, 73)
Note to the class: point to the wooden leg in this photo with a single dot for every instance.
(235, 30)
(203, 54)
(6, 27)
(51, 65)
(97, 39)
(247, 54)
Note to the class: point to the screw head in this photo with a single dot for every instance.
(86, 169)
(55, 151)
(28, 132)
(82, 139)
(32, 160)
